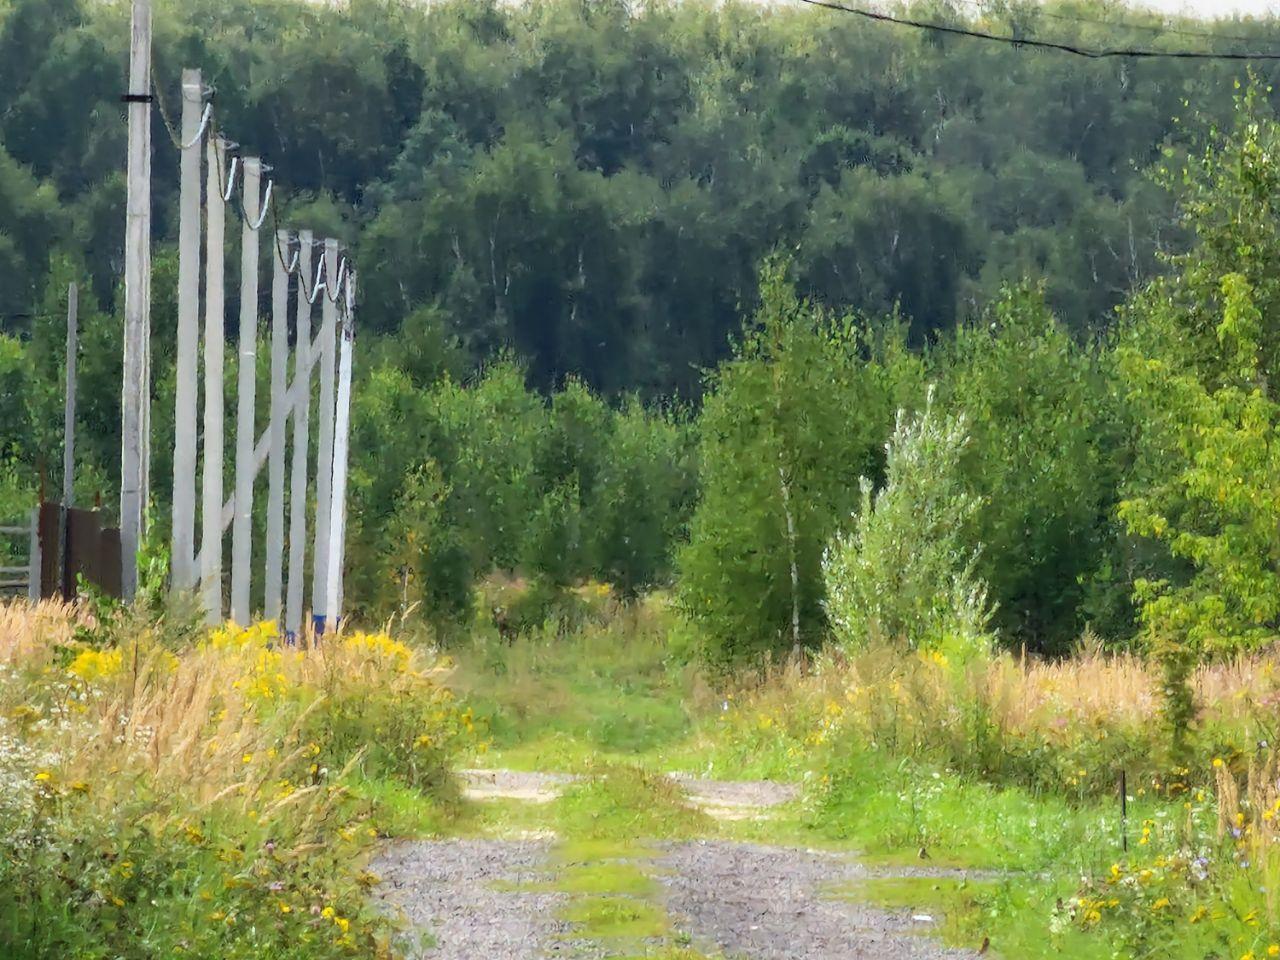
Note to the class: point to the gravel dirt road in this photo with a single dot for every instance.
(738, 901)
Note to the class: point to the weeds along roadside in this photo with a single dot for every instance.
(1013, 765)
(999, 763)
(167, 791)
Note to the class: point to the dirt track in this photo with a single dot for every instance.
(734, 900)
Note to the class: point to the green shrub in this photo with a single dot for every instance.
(905, 572)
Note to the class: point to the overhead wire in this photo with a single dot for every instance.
(157, 93)
(209, 127)
(336, 291)
(317, 288)
(231, 180)
(204, 127)
(1135, 53)
(266, 208)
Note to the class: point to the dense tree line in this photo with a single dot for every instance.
(595, 182)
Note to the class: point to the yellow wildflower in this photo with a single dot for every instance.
(379, 646)
(93, 665)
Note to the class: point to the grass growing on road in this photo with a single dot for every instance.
(608, 691)
(997, 763)
(627, 803)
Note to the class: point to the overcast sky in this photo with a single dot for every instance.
(1213, 8)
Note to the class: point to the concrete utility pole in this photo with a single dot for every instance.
(279, 420)
(242, 524)
(183, 552)
(214, 335)
(324, 456)
(342, 435)
(69, 411)
(301, 443)
(135, 397)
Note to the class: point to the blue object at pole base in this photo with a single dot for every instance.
(321, 623)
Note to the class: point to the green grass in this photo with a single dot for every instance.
(627, 803)
(1011, 915)
(615, 705)
(564, 703)
(892, 811)
(604, 878)
(955, 905)
(615, 918)
(401, 811)
(583, 850)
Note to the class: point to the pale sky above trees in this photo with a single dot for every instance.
(1215, 8)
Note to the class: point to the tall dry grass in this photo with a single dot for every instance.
(228, 755)
(1070, 723)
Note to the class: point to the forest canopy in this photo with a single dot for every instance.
(594, 183)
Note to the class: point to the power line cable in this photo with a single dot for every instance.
(204, 127)
(266, 208)
(209, 125)
(1135, 53)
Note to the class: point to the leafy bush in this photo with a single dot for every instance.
(905, 573)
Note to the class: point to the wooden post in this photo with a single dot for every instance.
(137, 299)
(342, 436)
(68, 585)
(324, 455)
(183, 549)
(69, 409)
(242, 524)
(214, 335)
(34, 560)
(301, 443)
(279, 420)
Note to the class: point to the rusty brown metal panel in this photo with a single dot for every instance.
(110, 571)
(83, 551)
(49, 529)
